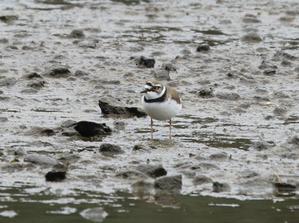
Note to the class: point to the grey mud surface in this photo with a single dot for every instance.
(238, 129)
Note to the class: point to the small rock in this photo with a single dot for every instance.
(138, 147)
(131, 174)
(125, 112)
(161, 74)
(37, 84)
(203, 48)
(294, 140)
(251, 37)
(110, 149)
(77, 33)
(280, 110)
(94, 214)
(33, 76)
(143, 62)
(3, 41)
(220, 187)
(248, 18)
(201, 179)
(248, 173)
(41, 131)
(8, 18)
(58, 72)
(284, 188)
(7, 81)
(206, 92)
(269, 72)
(90, 129)
(153, 171)
(228, 96)
(41, 159)
(55, 176)
(169, 183)
(262, 145)
(219, 156)
(80, 73)
(168, 67)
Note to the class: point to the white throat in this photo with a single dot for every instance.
(153, 95)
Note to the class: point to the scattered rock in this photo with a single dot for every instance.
(228, 96)
(220, 187)
(91, 129)
(251, 37)
(168, 67)
(269, 72)
(153, 171)
(219, 156)
(203, 48)
(55, 176)
(249, 173)
(39, 131)
(205, 167)
(138, 147)
(33, 76)
(110, 149)
(80, 73)
(9, 19)
(262, 145)
(248, 18)
(37, 84)
(294, 140)
(206, 92)
(169, 183)
(125, 112)
(284, 189)
(41, 159)
(161, 74)
(131, 174)
(143, 62)
(201, 179)
(94, 214)
(280, 110)
(7, 81)
(58, 72)
(77, 34)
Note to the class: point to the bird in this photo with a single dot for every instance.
(160, 102)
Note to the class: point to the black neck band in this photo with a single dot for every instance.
(160, 99)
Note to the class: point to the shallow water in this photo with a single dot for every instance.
(255, 94)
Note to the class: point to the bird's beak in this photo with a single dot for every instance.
(143, 91)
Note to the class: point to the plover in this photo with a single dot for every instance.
(160, 102)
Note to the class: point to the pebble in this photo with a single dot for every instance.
(201, 179)
(220, 187)
(232, 96)
(41, 159)
(58, 72)
(203, 48)
(169, 183)
(110, 149)
(55, 176)
(77, 33)
(153, 171)
(91, 129)
(143, 62)
(251, 37)
(94, 214)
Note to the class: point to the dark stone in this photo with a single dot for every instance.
(33, 76)
(220, 187)
(169, 183)
(284, 188)
(138, 147)
(262, 145)
(168, 67)
(77, 33)
(201, 179)
(37, 84)
(8, 18)
(206, 93)
(203, 48)
(55, 176)
(144, 62)
(251, 37)
(90, 129)
(110, 110)
(153, 171)
(269, 72)
(110, 149)
(80, 73)
(228, 96)
(58, 72)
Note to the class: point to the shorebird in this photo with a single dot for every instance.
(160, 102)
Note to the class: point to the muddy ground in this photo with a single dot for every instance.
(235, 64)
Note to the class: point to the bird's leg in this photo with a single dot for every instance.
(152, 130)
(169, 128)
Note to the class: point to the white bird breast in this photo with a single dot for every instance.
(162, 110)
